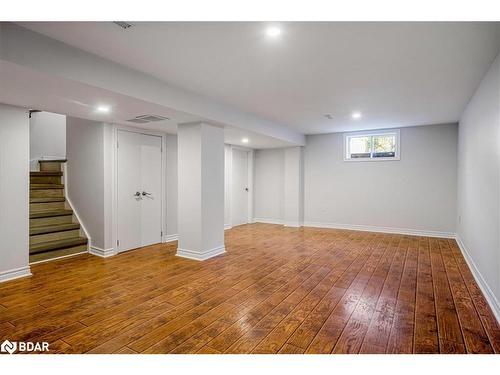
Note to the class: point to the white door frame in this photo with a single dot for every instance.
(114, 213)
(229, 186)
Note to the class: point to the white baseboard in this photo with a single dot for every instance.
(369, 228)
(83, 229)
(170, 238)
(293, 224)
(487, 292)
(364, 228)
(267, 221)
(227, 226)
(195, 255)
(103, 253)
(16, 273)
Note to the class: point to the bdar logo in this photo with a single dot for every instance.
(8, 347)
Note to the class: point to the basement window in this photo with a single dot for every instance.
(372, 145)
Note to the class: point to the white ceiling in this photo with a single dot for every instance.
(396, 74)
(27, 88)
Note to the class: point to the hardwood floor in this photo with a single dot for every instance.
(277, 290)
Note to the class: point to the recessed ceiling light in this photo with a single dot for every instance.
(356, 115)
(103, 108)
(244, 140)
(273, 31)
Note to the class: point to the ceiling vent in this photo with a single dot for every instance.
(124, 25)
(144, 119)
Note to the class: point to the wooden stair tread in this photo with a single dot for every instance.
(53, 161)
(45, 174)
(50, 213)
(53, 228)
(47, 200)
(55, 245)
(46, 186)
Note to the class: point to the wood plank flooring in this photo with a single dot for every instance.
(276, 290)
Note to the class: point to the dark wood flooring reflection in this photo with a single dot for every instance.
(276, 290)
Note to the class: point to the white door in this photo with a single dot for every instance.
(151, 202)
(239, 196)
(139, 187)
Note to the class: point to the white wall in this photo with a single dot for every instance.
(269, 185)
(416, 193)
(85, 175)
(294, 186)
(47, 136)
(14, 192)
(478, 226)
(228, 158)
(171, 185)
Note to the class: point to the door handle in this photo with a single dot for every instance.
(246, 189)
(137, 194)
(144, 193)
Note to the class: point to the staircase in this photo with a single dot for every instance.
(54, 230)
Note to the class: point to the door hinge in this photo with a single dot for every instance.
(161, 234)
(117, 242)
(117, 144)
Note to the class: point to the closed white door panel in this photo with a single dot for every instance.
(129, 190)
(151, 179)
(239, 196)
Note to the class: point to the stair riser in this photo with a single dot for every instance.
(45, 180)
(50, 167)
(54, 236)
(34, 207)
(43, 221)
(47, 193)
(58, 253)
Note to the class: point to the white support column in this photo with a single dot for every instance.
(201, 191)
(294, 187)
(14, 193)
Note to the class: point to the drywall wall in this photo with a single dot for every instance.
(228, 158)
(47, 137)
(478, 226)
(90, 169)
(85, 175)
(416, 193)
(269, 185)
(171, 185)
(294, 186)
(14, 192)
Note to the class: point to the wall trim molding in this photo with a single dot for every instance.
(204, 255)
(227, 226)
(75, 211)
(370, 228)
(170, 238)
(267, 221)
(481, 282)
(293, 224)
(103, 253)
(15, 273)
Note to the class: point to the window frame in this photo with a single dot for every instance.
(372, 133)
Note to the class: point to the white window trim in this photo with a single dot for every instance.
(370, 133)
